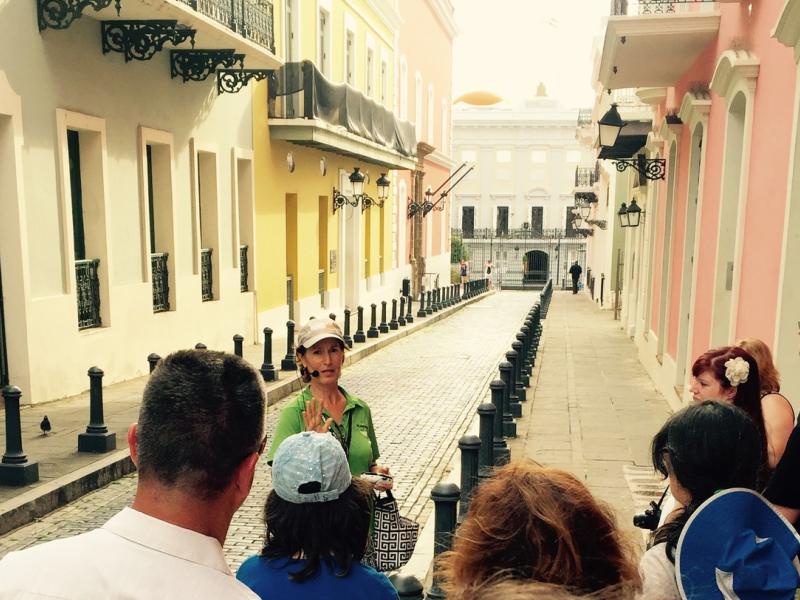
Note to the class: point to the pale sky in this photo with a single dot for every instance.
(508, 46)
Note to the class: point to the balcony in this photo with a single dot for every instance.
(307, 109)
(585, 117)
(490, 233)
(160, 269)
(651, 43)
(245, 26)
(87, 285)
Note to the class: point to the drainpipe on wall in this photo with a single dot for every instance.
(418, 260)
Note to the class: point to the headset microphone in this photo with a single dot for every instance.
(314, 373)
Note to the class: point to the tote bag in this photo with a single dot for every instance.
(393, 536)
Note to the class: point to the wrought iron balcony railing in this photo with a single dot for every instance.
(252, 19)
(321, 286)
(512, 234)
(290, 295)
(206, 274)
(584, 117)
(160, 268)
(87, 283)
(586, 176)
(243, 266)
(656, 7)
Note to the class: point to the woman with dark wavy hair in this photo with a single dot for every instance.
(701, 449)
(533, 524)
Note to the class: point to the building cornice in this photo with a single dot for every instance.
(442, 159)
(444, 13)
(388, 17)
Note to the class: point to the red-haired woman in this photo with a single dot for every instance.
(537, 525)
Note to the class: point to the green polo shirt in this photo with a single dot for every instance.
(363, 445)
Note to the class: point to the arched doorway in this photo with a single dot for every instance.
(535, 267)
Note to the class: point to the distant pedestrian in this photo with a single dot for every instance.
(199, 436)
(463, 271)
(575, 270)
(318, 519)
(538, 525)
(489, 274)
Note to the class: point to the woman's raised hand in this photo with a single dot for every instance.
(312, 417)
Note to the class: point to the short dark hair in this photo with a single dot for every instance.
(202, 413)
(711, 446)
(323, 531)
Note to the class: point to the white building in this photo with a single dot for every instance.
(126, 182)
(522, 187)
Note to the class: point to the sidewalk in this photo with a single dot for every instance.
(66, 474)
(592, 408)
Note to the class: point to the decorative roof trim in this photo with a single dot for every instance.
(695, 106)
(733, 67)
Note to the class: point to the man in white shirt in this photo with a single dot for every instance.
(199, 436)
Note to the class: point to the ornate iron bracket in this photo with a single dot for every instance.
(423, 207)
(587, 197)
(368, 202)
(198, 65)
(650, 168)
(584, 232)
(140, 40)
(339, 200)
(59, 14)
(233, 80)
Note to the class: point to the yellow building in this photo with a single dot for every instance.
(326, 112)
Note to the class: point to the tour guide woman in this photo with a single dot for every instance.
(325, 406)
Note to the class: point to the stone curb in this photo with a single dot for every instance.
(59, 492)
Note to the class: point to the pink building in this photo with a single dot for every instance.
(424, 69)
(717, 256)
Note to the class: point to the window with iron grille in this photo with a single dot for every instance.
(160, 271)
(243, 268)
(87, 284)
(206, 281)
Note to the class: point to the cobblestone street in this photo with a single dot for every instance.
(423, 391)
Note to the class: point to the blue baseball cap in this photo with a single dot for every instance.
(736, 546)
(310, 467)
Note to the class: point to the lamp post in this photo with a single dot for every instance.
(622, 213)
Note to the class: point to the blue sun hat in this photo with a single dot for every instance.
(735, 546)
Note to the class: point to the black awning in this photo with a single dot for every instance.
(632, 137)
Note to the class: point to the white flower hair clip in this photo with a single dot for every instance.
(737, 370)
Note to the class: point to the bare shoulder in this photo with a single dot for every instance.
(777, 409)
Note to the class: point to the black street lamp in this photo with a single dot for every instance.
(357, 180)
(623, 215)
(609, 127)
(634, 214)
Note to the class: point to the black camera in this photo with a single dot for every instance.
(649, 518)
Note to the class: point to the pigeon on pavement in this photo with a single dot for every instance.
(45, 425)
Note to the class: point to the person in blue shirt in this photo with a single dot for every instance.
(317, 519)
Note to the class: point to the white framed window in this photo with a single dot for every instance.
(403, 88)
(370, 78)
(431, 112)
(445, 127)
(384, 83)
(323, 42)
(418, 104)
(573, 156)
(469, 156)
(350, 58)
(503, 156)
(538, 156)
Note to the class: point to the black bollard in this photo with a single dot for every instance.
(373, 332)
(237, 345)
(410, 309)
(15, 468)
(519, 387)
(268, 371)
(407, 586)
(200, 346)
(436, 303)
(289, 363)
(153, 359)
(384, 326)
(486, 412)
(347, 339)
(401, 320)
(394, 324)
(360, 337)
(527, 369)
(332, 316)
(470, 446)
(421, 312)
(507, 377)
(445, 497)
(97, 437)
(501, 453)
(429, 305)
